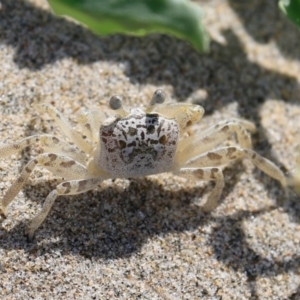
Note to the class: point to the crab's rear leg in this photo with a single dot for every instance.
(221, 157)
(225, 155)
(71, 187)
(207, 174)
(58, 164)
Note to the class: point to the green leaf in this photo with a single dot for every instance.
(292, 9)
(180, 18)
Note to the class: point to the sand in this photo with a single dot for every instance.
(147, 238)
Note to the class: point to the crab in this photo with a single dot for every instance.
(134, 143)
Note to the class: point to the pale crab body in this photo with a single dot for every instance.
(132, 144)
(139, 144)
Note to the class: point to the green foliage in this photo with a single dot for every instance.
(180, 18)
(292, 9)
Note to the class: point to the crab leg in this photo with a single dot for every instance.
(214, 136)
(71, 133)
(90, 122)
(198, 167)
(58, 164)
(207, 174)
(71, 187)
(49, 142)
(225, 155)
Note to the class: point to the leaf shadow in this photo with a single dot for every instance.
(40, 38)
(272, 23)
(235, 252)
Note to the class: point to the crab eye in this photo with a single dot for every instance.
(115, 102)
(158, 97)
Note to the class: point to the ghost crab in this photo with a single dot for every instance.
(131, 144)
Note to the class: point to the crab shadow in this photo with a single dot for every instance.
(109, 224)
(118, 218)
